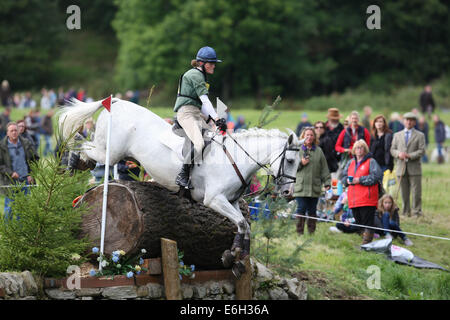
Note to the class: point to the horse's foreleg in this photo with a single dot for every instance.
(221, 205)
(245, 238)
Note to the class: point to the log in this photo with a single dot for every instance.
(140, 213)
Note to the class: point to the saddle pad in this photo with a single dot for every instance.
(172, 141)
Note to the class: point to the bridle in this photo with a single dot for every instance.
(280, 174)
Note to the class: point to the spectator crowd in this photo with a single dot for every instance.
(355, 154)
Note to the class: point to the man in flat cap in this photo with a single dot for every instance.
(408, 147)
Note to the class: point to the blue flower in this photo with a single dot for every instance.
(130, 274)
(141, 261)
(181, 278)
(192, 267)
(115, 258)
(116, 253)
(92, 273)
(182, 263)
(95, 250)
(138, 272)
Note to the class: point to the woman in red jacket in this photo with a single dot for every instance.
(350, 135)
(362, 175)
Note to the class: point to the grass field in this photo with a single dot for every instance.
(333, 266)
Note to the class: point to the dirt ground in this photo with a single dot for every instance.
(319, 280)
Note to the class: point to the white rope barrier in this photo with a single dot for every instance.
(363, 226)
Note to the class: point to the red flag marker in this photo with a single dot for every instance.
(107, 103)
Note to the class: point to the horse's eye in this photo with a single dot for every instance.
(290, 161)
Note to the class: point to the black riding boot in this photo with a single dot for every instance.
(183, 177)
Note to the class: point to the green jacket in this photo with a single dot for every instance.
(5, 159)
(311, 177)
(192, 85)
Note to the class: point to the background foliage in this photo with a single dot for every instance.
(289, 48)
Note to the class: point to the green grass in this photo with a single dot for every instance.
(335, 268)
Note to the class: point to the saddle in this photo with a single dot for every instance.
(178, 130)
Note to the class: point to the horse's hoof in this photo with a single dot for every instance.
(241, 267)
(227, 258)
(238, 269)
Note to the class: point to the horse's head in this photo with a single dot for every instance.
(285, 164)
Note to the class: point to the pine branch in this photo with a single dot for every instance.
(264, 117)
(150, 96)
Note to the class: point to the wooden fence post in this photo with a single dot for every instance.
(244, 284)
(170, 269)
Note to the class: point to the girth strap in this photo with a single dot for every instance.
(244, 183)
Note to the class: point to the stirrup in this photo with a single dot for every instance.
(187, 186)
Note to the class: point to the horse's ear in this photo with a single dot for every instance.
(292, 137)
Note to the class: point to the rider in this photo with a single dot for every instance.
(193, 108)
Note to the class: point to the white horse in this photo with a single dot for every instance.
(140, 134)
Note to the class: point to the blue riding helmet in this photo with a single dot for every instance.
(207, 54)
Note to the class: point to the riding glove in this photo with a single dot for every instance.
(221, 124)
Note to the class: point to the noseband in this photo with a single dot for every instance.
(281, 174)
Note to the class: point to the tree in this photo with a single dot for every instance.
(290, 47)
(259, 41)
(30, 39)
(42, 235)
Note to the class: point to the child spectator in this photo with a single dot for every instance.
(387, 211)
(346, 217)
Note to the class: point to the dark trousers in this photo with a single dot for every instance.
(7, 208)
(392, 225)
(365, 216)
(306, 206)
(345, 229)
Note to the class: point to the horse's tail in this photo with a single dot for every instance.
(72, 117)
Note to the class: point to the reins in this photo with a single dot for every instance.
(280, 173)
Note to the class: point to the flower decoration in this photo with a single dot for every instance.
(184, 270)
(119, 264)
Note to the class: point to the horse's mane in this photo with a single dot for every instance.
(258, 132)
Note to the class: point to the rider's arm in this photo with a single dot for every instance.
(207, 107)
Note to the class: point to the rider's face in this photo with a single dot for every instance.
(209, 67)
